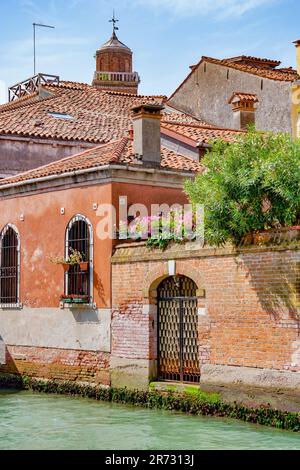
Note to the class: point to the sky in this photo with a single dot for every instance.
(166, 36)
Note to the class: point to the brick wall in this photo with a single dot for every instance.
(59, 364)
(248, 315)
(250, 319)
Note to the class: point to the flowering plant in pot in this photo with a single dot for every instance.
(75, 258)
(176, 226)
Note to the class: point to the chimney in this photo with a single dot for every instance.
(244, 108)
(146, 133)
(297, 44)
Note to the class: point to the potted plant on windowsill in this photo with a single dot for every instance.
(62, 261)
(84, 266)
(75, 259)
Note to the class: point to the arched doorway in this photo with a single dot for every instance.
(178, 352)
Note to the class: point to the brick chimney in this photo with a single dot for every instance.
(297, 44)
(244, 108)
(146, 133)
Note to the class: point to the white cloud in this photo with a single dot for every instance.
(219, 8)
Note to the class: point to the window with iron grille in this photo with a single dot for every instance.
(79, 238)
(9, 266)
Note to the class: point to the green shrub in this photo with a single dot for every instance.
(250, 185)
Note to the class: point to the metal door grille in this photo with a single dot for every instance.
(178, 354)
(9, 268)
(78, 281)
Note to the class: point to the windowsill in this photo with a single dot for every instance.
(76, 306)
(17, 306)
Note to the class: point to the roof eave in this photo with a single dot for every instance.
(111, 166)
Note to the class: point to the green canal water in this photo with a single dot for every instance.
(49, 422)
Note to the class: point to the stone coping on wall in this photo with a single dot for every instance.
(283, 240)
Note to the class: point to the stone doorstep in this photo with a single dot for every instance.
(173, 387)
(236, 393)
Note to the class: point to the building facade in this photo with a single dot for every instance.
(207, 90)
(236, 313)
(72, 158)
(68, 205)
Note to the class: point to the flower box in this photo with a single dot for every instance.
(74, 299)
(80, 300)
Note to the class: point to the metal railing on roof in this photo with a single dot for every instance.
(31, 85)
(117, 77)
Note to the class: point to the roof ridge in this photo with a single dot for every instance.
(254, 58)
(120, 147)
(68, 83)
(247, 68)
(122, 93)
(18, 104)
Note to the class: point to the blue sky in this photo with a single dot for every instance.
(166, 35)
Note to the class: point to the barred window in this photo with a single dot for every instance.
(9, 266)
(79, 277)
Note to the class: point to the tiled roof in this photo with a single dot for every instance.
(270, 63)
(243, 97)
(264, 72)
(120, 151)
(254, 67)
(99, 116)
(202, 134)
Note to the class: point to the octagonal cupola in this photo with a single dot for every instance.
(114, 66)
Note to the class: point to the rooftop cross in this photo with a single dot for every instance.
(114, 21)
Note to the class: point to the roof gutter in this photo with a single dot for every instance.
(44, 179)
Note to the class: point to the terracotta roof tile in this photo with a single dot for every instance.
(243, 97)
(258, 61)
(99, 116)
(264, 72)
(120, 152)
(202, 134)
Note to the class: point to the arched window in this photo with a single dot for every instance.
(79, 238)
(9, 266)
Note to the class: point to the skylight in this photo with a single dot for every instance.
(61, 116)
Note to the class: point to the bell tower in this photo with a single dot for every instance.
(114, 70)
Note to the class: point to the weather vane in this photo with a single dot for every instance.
(114, 21)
